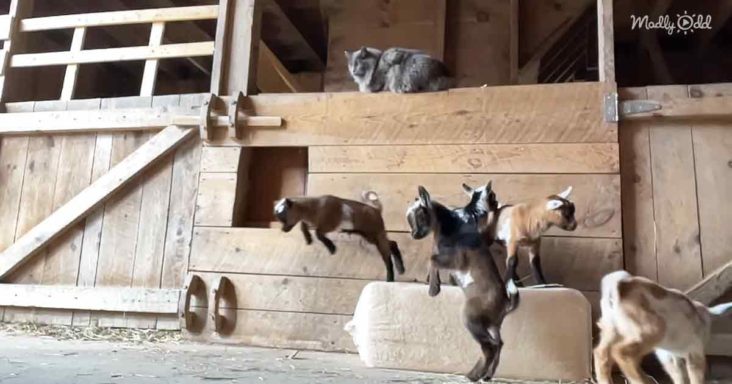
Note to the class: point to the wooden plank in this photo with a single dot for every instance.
(106, 55)
(560, 113)
(132, 119)
(713, 286)
(712, 143)
(243, 51)
(597, 197)
(114, 299)
(220, 159)
(712, 146)
(61, 265)
(13, 87)
(605, 41)
(496, 158)
(69, 85)
(575, 262)
(219, 67)
(674, 198)
(81, 204)
(93, 224)
(293, 293)
(13, 153)
(215, 202)
(150, 73)
(639, 237)
(152, 226)
(38, 185)
(5, 24)
(284, 330)
(100, 19)
(285, 37)
(183, 191)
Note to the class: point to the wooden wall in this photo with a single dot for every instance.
(140, 238)
(676, 178)
(531, 141)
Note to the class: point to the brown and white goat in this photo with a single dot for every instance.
(640, 316)
(521, 225)
(460, 248)
(330, 213)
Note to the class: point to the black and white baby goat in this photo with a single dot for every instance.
(460, 248)
(330, 214)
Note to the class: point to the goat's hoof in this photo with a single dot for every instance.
(433, 292)
(332, 250)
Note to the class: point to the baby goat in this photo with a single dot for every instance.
(460, 248)
(330, 213)
(523, 224)
(640, 317)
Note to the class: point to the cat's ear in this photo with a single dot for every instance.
(348, 54)
(362, 51)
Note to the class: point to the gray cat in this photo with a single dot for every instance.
(397, 70)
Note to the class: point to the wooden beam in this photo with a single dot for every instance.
(283, 34)
(83, 203)
(713, 286)
(100, 19)
(15, 42)
(221, 48)
(150, 72)
(112, 299)
(77, 44)
(682, 107)
(239, 72)
(83, 121)
(605, 41)
(274, 67)
(166, 51)
(441, 29)
(5, 25)
(514, 44)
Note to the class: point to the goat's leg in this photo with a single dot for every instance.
(512, 263)
(535, 262)
(628, 356)
(695, 366)
(484, 368)
(603, 360)
(326, 241)
(672, 365)
(385, 250)
(306, 232)
(396, 255)
(433, 278)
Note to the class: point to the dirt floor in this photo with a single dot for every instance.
(47, 355)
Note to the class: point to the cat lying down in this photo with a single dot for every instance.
(397, 70)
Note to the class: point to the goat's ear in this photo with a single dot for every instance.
(553, 204)
(468, 189)
(565, 194)
(489, 186)
(424, 197)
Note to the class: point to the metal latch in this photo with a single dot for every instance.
(614, 109)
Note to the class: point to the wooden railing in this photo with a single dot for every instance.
(76, 55)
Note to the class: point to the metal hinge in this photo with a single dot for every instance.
(614, 109)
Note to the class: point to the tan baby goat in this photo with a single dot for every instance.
(640, 317)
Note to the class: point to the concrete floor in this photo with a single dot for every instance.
(45, 360)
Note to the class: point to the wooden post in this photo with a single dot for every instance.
(151, 65)
(19, 9)
(514, 41)
(605, 41)
(77, 44)
(235, 60)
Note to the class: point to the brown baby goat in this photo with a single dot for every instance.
(330, 213)
(640, 317)
(521, 225)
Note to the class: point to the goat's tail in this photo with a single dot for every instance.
(513, 296)
(372, 198)
(721, 309)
